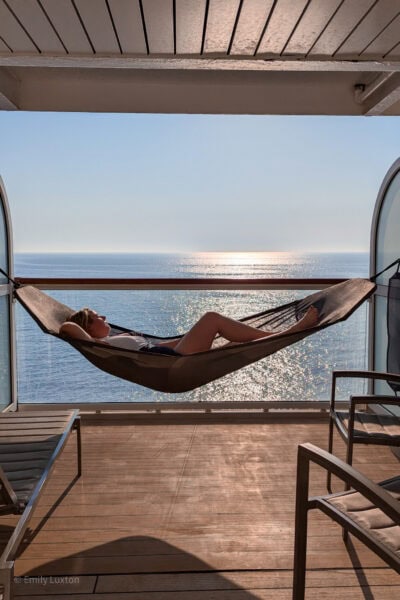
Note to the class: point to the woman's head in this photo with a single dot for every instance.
(94, 324)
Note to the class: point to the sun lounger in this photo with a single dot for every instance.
(29, 446)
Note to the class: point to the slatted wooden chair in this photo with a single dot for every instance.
(369, 511)
(29, 446)
(358, 425)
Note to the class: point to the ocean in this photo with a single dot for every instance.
(50, 371)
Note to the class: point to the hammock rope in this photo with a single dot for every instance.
(176, 374)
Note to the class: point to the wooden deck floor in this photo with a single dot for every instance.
(199, 510)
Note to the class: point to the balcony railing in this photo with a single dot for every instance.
(51, 372)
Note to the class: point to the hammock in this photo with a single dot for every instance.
(166, 373)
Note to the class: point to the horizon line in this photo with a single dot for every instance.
(349, 251)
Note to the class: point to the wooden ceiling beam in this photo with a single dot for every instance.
(379, 95)
(197, 64)
(9, 88)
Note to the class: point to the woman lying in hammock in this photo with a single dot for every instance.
(86, 324)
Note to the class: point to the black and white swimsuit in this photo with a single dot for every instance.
(138, 343)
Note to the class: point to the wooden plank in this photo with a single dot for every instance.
(24, 456)
(346, 19)
(4, 48)
(128, 23)
(280, 26)
(16, 466)
(252, 20)
(32, 18)
(327, 593)
(186, 562)
(231, 580)
(378, 18)
(221, 19)
(18, 439)
(35, 414)
(385, 42)
(395, 53)
(98, 24)
(10, 418)
(31, 428)
(190, 20)
(310, 27)
(13, 34)
(68, 26)
(329, 545)
(159, 21)
(31, 447)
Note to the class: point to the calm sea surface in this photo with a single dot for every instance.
(51, 371)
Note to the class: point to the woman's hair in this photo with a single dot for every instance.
(81, 317)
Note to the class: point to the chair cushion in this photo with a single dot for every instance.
(370, 518)
(368, 425)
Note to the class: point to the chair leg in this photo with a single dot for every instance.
(6, 581)
(300, 536)
(300, 557)
(77, 427)
(349, 455)
(330, 448)
(349, 460)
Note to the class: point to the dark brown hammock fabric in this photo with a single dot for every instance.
(176, 374)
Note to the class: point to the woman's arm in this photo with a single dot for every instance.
(73, 330)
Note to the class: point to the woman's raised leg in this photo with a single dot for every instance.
(201, 336)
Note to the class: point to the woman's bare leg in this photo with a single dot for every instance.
(202, 334)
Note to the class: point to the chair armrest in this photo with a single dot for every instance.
(375, 375)
(374, 399)
(367, 375)
(378, 496)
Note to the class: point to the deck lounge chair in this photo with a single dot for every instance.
(29, 446)
(369, 511)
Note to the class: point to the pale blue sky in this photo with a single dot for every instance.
(181, 183)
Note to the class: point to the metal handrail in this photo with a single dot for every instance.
(184, 283)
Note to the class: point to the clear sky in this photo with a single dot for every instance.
(181, 183)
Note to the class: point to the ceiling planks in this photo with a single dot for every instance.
(253, 17)
(127, 19)
(221, 21)
(13, 34)
(378, 18)
(190, 20)
(313, 22)
(385, 42)
(4, 49)
(159, 19)
(99, 26)
(32, 18)
(283, 21)
(394, 54)
(64, 18)
(346, 19)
